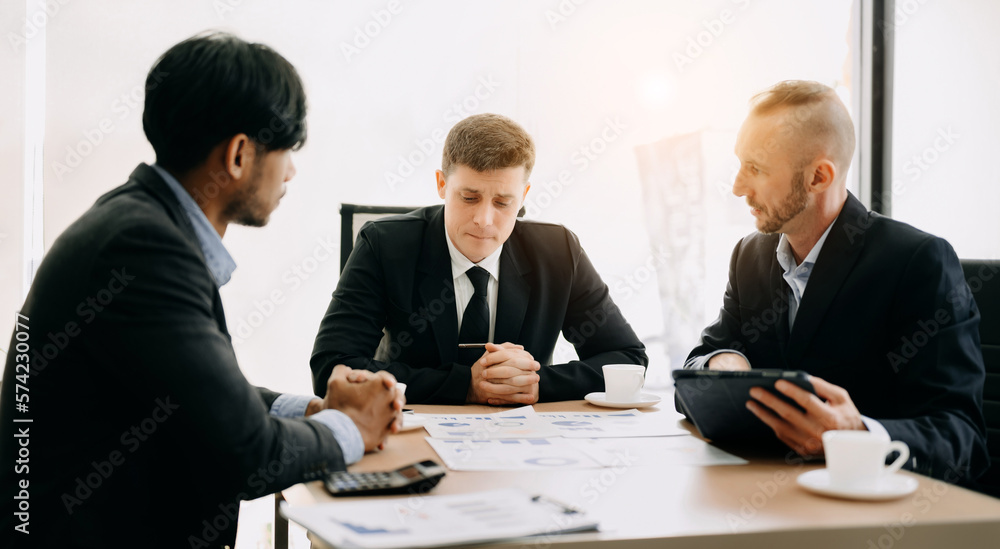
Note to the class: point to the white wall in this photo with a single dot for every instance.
(564, 76)
(12, 64)
(945, 120)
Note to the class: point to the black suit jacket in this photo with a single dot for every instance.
(888, 316)
(399, 278)
(144, 432)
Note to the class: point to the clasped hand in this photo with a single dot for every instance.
(505, 374)
(371, 399)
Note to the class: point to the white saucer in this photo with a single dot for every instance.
(412, 421)
(891, 486)
(599, 399)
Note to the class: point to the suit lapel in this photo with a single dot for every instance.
(155, 185)
(147, 177)
(836, 260)
(513, 293)
(779, 295)
(437, 287)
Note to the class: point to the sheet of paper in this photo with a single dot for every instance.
(527, 454)
(654, 451)
(517, 423)
(618, 424)
(435, 521)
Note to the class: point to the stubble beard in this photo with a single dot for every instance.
(791, 206)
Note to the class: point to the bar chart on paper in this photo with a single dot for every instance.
(435, 521)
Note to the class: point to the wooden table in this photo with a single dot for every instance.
(740, 506)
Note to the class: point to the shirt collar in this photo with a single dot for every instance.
(784, 251)
(220, 263)
(460, 263)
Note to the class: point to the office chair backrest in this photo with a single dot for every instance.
(983, 278)
(354, 216)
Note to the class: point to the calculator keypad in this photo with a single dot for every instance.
(415, 478)
(361, 481)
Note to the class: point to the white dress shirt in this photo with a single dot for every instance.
(464, 289)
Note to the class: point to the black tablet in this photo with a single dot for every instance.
(715, 401)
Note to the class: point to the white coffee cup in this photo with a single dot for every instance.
(856, 459)
(622, 382)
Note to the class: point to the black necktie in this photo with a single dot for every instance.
(476, 318)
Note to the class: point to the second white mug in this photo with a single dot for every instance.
(856, 459)
(623, 382)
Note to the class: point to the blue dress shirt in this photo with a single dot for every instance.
(221, 265)
(797, 277)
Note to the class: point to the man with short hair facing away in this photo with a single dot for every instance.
(143, 431)
(471, 271)
(850, 289)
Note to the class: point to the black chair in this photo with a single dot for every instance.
(983, 278)
(354, 216)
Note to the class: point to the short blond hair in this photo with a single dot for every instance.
(488, 142)
(815, 118)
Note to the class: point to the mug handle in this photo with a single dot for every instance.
(904, 454)
(641, 379)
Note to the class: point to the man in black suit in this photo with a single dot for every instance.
(470, 271)
(140, 429)
(888, 329)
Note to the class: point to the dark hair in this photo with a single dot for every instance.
(213, 86)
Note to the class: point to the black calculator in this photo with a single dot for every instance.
(412, 479)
